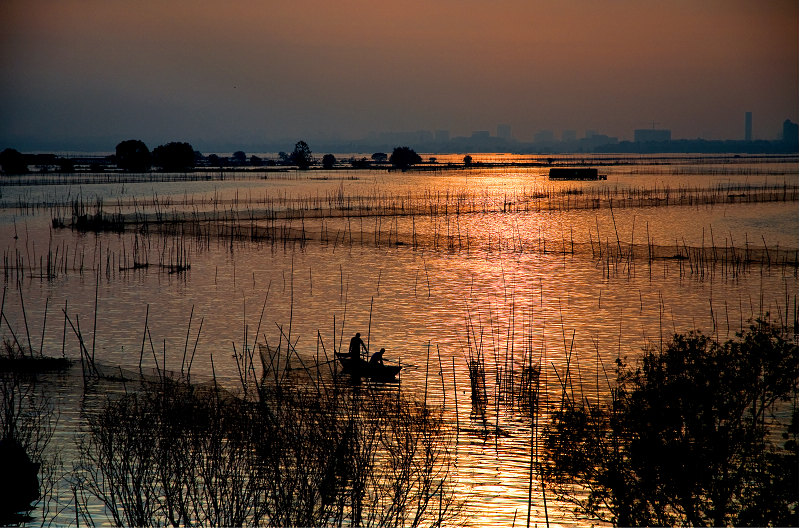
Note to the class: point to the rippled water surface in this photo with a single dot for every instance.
(436, 267)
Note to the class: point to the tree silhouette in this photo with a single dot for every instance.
(174, 156)
(379, 157)
(468, 160)
(689, 438)
(133, 155)
(66, 165)
(239, 158)
(301, 156)
(328, 161)
(404, 157)
(13, 162)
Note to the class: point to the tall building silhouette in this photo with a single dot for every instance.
(748, 126)
(504, 131)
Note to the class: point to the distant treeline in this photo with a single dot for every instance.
(135, 156)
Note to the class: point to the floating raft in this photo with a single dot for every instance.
(575, 173)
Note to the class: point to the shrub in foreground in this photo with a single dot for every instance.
(181, 455)
(700, 434)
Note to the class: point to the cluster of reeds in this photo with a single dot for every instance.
(516, 368)
(176, 454)
(477, 384)
(75, 179)
(431, 218)
(18, 354)
(719, 168)
(18, 263)
(131, 252)
(430, 202)
(520, 382)
(728, 260)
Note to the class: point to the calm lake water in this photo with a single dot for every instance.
(434, 266)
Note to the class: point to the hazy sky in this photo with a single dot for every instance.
(212, 72)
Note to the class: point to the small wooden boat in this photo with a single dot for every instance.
(371, 371)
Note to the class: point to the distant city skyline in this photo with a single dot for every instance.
(501, 138)
(501, 131)
(83, 74)
(442, 140)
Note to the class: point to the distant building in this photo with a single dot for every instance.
(590, 133)
(596, 140)
(544, 137)
(480, 135)
(652, 135)
(790, 132)
(504, 131)
(569, 136)
(748, 126)
(442, 135)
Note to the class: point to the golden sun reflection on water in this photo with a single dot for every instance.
(518, 286)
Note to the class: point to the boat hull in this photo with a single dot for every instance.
(373, 372)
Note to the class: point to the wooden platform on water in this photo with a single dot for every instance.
(575, 173)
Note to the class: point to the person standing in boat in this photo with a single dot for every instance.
(355, 347)
(377, 357)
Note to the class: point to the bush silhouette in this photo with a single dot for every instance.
(13, 162)
(174, 156)
(404, 157)
(688, 438)
(133, 155)
(328, 161)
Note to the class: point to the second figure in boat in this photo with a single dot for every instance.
(377, 357)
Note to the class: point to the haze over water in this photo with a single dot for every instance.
(82, 76)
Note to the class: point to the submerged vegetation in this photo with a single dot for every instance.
(700, 434)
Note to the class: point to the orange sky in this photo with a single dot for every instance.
(248, 71)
